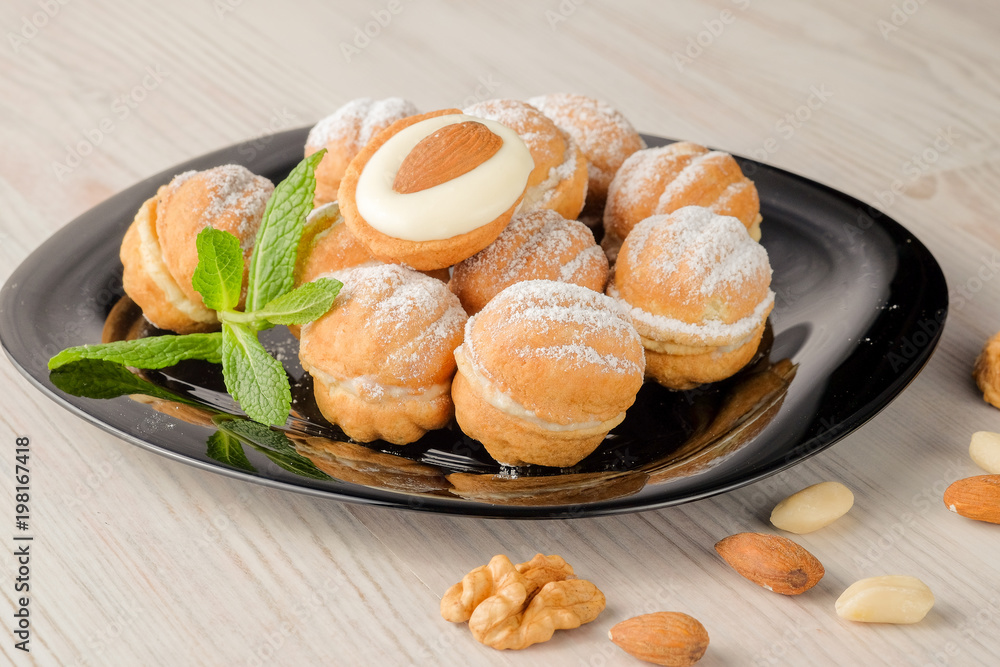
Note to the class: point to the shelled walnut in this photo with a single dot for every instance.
(987, 371)
(513, 607)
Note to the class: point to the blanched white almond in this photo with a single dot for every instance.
(891, 599)
(812, 508)
(985, 451)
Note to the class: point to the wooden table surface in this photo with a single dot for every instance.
(138, 560)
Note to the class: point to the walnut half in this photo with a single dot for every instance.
(513, 607)
(987, 371)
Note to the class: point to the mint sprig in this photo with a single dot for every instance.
(272, 265)
(255, 379)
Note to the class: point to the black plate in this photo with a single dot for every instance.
(859, 309)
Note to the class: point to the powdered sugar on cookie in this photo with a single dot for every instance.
(358, 121)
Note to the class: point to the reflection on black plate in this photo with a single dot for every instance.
(860, 306)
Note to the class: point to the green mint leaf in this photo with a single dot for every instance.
(256, 433)
(274, 445)
(319, 220)
(152, 352)
(303, 304)
(219, 274)
(96, 378)
(254, 378)
(272, 265)
(294, 463)
(226, 448)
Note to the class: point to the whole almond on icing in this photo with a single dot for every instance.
(664, 638)
(444, 155)
(975, 498)
(774, 562)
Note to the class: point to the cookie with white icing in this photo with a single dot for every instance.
(432, 190)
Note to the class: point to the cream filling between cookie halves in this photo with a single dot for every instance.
(367, 388)
(539, 196)
(449, 209)
(666, 334)
(151, 256)
(507, 405)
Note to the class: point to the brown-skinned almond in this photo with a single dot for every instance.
(774, 562)
(975, 498)
(664, 638)
(453, 150)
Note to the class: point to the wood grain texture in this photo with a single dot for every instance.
(141, 560)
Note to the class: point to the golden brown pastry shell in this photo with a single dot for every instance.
(638, 188)
(181, 214)
(340, 151)
(156, 305)
(687, 371)
(561, 362)
(386, 361)
(512, 353)
(350, 341)
(549, 146)
(396, 420)
(601, 133)
(523, 245)
(570, 194)
(327, 245)
(641, 282)
(513, 441)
